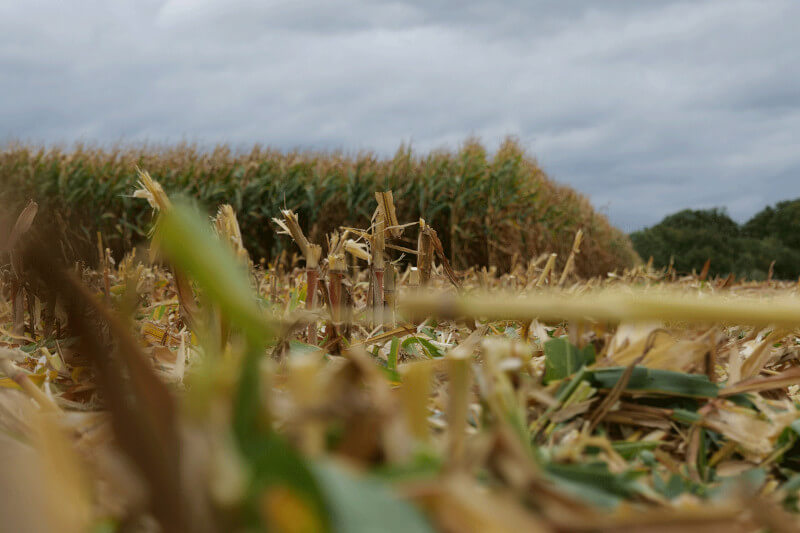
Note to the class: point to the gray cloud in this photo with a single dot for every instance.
(648, 107)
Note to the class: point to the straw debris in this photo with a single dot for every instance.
(404, 396)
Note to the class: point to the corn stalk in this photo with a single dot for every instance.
(576, 248)
(548, 268)
(227, 229)
(311, 253)
(337, 295)
(424, 253)
(390, 296)
(151, 190)
(378, 249)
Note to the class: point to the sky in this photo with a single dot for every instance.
(647, 107)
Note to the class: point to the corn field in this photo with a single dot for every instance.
(369, 380)
(467, 196)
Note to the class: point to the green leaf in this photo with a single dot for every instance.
(566, 389)
(190, 245)
(426, 464)
(594, 482)
(298, 348)
(742, 400)
(676, 486)
(629, 450)
(430, 332)
(791, 488)
(271, 461)
(158, 312)
(587, 493)
(656, 381)
(687, 417)
(365, 505)
(562, 359)
(392, 358)
(792, 484)
(427, 349)
(187, 240)
(106, 525)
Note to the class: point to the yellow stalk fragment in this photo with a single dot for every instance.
(576, 244)
(227, 229)
(610, 305)
(414, 395)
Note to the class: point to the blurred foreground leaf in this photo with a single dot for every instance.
(189, 243)
(364, 505)
(282, 488)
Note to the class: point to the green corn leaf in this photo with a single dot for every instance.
(656, 381)
(629, 450)
(562, 359)
(425, 347)
(687, 417)
(189, 243)
(594, 482)
(274, 465)
(393, 349)
(365, 505)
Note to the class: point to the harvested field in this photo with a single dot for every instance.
(346, 391)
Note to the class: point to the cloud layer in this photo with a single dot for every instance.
(648, 107)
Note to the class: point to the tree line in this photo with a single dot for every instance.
(690, 237)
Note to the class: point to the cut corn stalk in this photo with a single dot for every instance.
(337, 272)
(227, 228)
(390, 296)
(152, 191)
(576, 248)
(378, 268)
(311, 253)
(546, 271)
(425, 255)
(387, 212)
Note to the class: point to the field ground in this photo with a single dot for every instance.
(215, 395)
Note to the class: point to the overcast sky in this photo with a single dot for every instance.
(646, 106)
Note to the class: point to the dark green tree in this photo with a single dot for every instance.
(781, 222)
(693, 236)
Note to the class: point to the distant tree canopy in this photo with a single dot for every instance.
(690, 237)
(781, 222)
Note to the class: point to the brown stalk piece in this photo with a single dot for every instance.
(378, 268)
(337, 271)
(425, 256)
(387, 211)
(439, 249)
(390, 296)
(704, 272)
(311, 253)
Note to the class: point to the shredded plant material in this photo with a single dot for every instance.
(365, 384)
